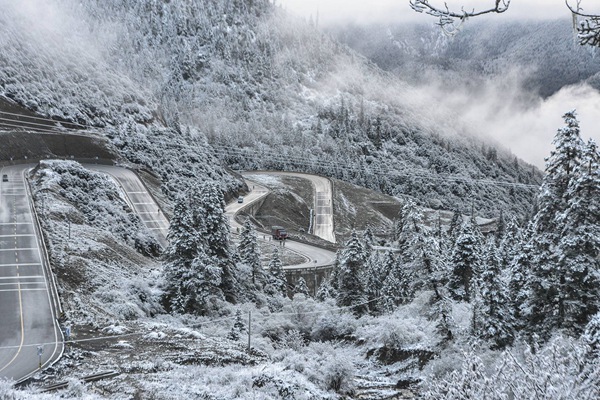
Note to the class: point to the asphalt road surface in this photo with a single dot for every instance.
(323, 207)
(314, 256)
(139, 199)
(27, 310)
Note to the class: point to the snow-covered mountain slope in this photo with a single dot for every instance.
(180, 84)
(544, 52)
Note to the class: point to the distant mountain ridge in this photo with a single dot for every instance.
(545, 50)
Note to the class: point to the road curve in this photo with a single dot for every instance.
(27, 303)
(138, 198)
(314, 256)
(323, 208)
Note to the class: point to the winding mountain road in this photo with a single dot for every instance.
(138, 198)
(314, 256)
(30, 336)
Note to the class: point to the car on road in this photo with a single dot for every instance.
(241, 199)
(4, 178)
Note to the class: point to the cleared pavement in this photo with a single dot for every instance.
(314, 256)
(28, 324)
(139, 199)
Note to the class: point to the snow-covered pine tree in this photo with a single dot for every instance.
(301, 287)
(192, 277)
(397, 288)
(545, 305)
(238, 328)
(368, 240)
(350, 287)
(250, 254)
(200, 283)
(519, 276)
(209, 208)
(579, 246)
(509, 243)
(464, 262)
(500, 228)
(372, 277)
(492, 316)
(411, 228)
(276, 275)
(455, 226)
(183, 248)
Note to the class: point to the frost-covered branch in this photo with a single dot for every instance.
(451, 21)
(587, 25)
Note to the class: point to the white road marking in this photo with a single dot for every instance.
(19, 235)
(22, 277)
(20, 265)
(20, 249)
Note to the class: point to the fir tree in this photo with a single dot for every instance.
(397, 288)
(209, 210)
(277, 275)
(301, 287)
(238, 328)
(201, 285)
(455, 226)
(546, 305)
(465, 262)
(350, 288)
(579, 246)
(250, 254)
(519, 277)
(192, 277)
(492, 317)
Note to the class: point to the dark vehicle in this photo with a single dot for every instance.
(4, 178)
(279, 233)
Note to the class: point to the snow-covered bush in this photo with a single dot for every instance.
(558, 370)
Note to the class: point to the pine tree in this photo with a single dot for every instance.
(546, 308)
(509, 243)
(368, 240)
(301, 287)
(500, 228)
(250, 254)
(326, 290)
(277, 275)
(579, 246)
(209, 210)
(465, 262)
(492, 317)
(519, 277)
(350, 288)
(201, 285)
(455, 226)
(238, 328)
(182, 249)
(397, 288)
(192, 277)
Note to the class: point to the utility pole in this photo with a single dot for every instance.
(249, 328)
(40, 351)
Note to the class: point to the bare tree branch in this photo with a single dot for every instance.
(587, 25)
(451, 22)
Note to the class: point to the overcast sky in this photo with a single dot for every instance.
(362, 11)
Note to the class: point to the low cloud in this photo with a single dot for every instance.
(501, 111)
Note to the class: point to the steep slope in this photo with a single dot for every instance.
(265, 90)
